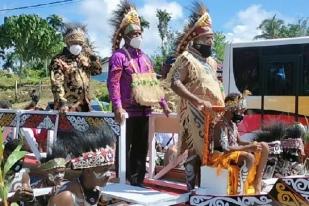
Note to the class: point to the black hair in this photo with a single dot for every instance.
(11, 145)
(75, 143)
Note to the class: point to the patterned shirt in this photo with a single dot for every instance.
(70, 79)
(120, 79)
(226, 135)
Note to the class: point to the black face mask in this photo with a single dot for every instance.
(237, 118)
(203, 49)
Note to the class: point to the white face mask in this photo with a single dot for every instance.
(136, 42)
(75, 49)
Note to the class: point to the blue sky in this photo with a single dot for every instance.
(238, 19)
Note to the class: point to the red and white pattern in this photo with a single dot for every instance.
(101, 157)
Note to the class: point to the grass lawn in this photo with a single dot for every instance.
(26, 85)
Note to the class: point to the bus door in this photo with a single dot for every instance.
(279, 81)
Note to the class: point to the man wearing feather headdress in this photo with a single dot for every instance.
(70, 72)
(193, 77)
(133, 88)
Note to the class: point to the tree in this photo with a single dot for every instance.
(9, 60)
(276, 28)
(271, 28)
(31, 37)
(144, 23)
(2, 54)
(164, 19)
(56, 22)
(219, 45)
(301, 28)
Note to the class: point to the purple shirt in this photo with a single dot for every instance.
(120, 79)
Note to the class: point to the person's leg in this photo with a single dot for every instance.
(261, 164)
(139, 150)
(192, 169)
(130, 127)
(245, 163)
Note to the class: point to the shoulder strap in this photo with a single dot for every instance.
(150, 69)
(130, 59)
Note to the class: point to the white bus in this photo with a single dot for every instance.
(277, 74)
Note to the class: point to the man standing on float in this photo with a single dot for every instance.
(125, 64)
(193, 77)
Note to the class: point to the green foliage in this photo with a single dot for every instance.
(271, 28)
(12, 159)
(301, 28)
(34, 75)
(5, 177)
(168, 39)
(56, 22)
(158, 61)
(219, 45)
(164, 18)
(103, 95)
(7, 80)
(9, 60)
(144, 23)
(274, 28)
(2, 54)
(32, 38)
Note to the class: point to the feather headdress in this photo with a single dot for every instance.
(199, 24)
(125, 19)
(75, 33)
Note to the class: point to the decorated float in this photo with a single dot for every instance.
(286, 177)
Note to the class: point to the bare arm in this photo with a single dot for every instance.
(240, 141)
(62, 199)
(221, 138)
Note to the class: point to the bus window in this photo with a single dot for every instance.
(280, 78)
(306, 71)
(246, 69)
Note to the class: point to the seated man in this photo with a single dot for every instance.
(93, 156)
(54, 168)
(245, 161)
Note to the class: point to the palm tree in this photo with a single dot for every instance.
(2, 54)
(56, 22)
(164, 18)
(298, 29)
(144, 23)
(219, 45)
(271, 28)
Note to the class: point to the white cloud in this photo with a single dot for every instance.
(98, 12)
(244, 26)
(151, 38)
